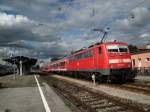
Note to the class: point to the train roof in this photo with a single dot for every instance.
(58, 61)
(95, 45)
(116, 42)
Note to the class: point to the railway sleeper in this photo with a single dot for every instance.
(82, 93)
(90, 100)
(88, 97)
(100, 106)
(70, 90)
(110, 109)
(96, 102)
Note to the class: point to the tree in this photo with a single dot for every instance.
(133, 49)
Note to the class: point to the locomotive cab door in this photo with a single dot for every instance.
(98, 57)
(101, 60)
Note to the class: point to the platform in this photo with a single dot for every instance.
(22, 95)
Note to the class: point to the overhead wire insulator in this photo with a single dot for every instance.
(92, 13)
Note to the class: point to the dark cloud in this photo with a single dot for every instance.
(38, 10)
(9, 35)
(20, 32)
(140, 19)
(18, 27)
(48, 28)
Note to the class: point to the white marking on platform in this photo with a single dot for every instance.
(47, 108)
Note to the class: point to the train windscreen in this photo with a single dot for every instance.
(117, 48)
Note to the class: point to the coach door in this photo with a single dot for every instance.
(100, 57)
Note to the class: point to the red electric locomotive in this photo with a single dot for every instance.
(108, 61)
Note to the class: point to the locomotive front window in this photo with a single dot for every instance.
(117, 48)
(112, 48)
(123, 48)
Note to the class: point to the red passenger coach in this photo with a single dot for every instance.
(108, 61)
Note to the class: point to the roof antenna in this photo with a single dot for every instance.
(105, 32)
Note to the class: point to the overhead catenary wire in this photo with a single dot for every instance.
(128, 12)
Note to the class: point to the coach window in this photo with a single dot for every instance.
(99, 50)
(86, 54)
(79, 56)
(133, 62)
(82, 55)
(147, 59)
(89, 53)
(62, 64)
(71, 58)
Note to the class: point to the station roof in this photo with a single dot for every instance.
(25, 60)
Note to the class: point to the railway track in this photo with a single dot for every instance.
(89, 101)
(137, 86)
(142, 83)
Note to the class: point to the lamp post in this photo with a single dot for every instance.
(13, 62)
(14, 68)
(20, 62)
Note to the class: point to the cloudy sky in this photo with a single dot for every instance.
(53, 28)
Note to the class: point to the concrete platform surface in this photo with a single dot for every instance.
(23, 98)
(136, 97)
(55, 103)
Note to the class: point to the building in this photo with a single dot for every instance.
(23, 64)
(148, 46)
(143, 47)
(141, 59)
(2, 62)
